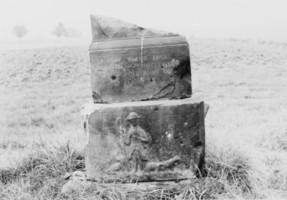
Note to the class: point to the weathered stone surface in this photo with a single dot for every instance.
(95, 190)
(104, 28)
(131, 63)
(145, 141)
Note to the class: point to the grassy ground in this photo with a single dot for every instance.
(244, 82)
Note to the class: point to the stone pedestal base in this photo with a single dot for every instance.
(145, 141)
(80, 185)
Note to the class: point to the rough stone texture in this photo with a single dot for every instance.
(94, 190)
(131, 63)
(104, 28)
(145, 141)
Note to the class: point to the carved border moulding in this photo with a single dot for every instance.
(145, 141)
(130, 63)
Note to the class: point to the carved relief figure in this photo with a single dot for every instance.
(136, 142)
(137, 139)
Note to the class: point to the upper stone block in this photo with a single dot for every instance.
(131, 63)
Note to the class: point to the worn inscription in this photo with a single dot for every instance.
(137, 74)
(129, 59)
(133, 63)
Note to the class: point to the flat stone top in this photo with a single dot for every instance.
(88, 108)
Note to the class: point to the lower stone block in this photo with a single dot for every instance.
(145, 141)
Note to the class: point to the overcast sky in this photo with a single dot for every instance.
(256, 19)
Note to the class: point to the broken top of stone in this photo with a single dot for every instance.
(131, 63)
(106, 28)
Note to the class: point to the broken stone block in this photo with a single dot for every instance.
(145, 141)
(131, 63)
(105, 28)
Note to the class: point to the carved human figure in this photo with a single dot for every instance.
(137, 139)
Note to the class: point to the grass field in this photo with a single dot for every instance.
(244, 82)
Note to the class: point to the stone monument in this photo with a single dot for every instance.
(145, 124)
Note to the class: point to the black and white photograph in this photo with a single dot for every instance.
(143, 99)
